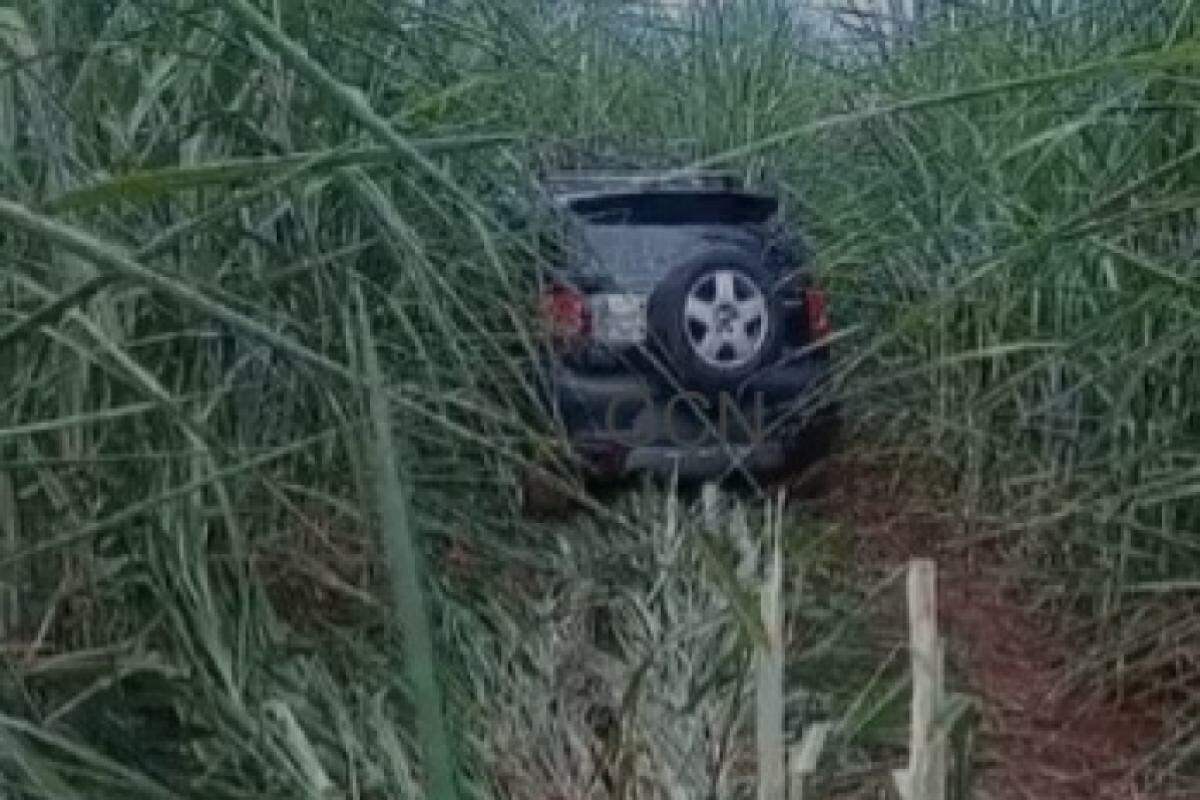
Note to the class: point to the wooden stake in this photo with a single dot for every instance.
(769, 671)
(925, 778)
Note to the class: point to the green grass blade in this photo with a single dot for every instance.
(406, 568)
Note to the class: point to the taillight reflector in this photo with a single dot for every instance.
(815, 313)
(563, 311)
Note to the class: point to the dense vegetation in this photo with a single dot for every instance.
(217, 213)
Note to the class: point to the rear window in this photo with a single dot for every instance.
(676, 208)
(637, 239)
(639, 256)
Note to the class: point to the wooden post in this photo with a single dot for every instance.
(772, 781)
(925, 778)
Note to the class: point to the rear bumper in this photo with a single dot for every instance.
(622, 423)
(695, 463)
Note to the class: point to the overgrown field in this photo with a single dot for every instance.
(252, 250)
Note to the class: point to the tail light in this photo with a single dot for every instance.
(816, 315)
(563, 312)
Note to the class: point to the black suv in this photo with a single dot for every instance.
(684, 334)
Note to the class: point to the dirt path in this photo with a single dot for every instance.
(1039, 738)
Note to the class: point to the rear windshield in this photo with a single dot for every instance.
(635, 240)
(676, 208)
(637, 257)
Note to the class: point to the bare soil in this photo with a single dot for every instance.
(1042, 736)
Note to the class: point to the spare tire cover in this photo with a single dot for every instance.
(717, 319)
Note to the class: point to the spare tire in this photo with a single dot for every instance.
(718, 319)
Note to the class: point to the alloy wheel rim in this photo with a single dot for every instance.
(725, 319)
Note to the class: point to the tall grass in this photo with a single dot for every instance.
(193, 189)
(1033, 254)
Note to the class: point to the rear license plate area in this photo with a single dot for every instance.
(618, 319)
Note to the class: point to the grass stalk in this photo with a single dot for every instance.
(407, 573)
